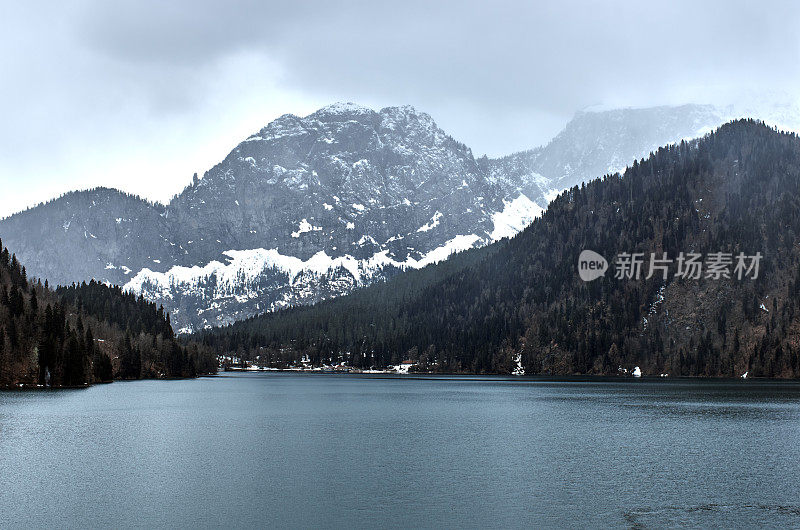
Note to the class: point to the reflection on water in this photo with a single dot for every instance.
(296, 450)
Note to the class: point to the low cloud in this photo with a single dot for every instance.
(139, 95)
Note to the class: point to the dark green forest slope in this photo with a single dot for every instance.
(84, 334)
(735, 190)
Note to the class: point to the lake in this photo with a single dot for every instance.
(303, 450)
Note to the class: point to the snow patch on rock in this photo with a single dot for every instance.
(304, 227)
(433, 223)
(515, 216)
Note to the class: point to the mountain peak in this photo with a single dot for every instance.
(340, 109)
(346, 111)
(406, 112)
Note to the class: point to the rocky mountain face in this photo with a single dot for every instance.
(345, 180)
(313, 207)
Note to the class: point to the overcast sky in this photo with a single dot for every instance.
(139, 95)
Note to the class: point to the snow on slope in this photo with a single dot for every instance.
(246, 267)
(516, 215)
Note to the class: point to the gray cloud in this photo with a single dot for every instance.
(102, 92)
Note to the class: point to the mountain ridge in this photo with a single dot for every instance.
(312, 207)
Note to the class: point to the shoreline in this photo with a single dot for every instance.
(415, 375)
(37, 386)
(566, 377)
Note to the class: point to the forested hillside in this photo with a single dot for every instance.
(112, 304)
(736, 190)
(84, 334)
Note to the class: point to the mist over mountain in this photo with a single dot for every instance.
(598, 143)
(312, 207)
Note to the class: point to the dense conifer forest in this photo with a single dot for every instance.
(84, 334)
(521, 300)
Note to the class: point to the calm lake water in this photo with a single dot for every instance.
(298, 450)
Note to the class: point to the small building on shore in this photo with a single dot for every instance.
(404, 366)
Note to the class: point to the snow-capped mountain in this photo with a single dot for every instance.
(304, 209)
(311, 207)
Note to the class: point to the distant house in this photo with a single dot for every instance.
(405, 365)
